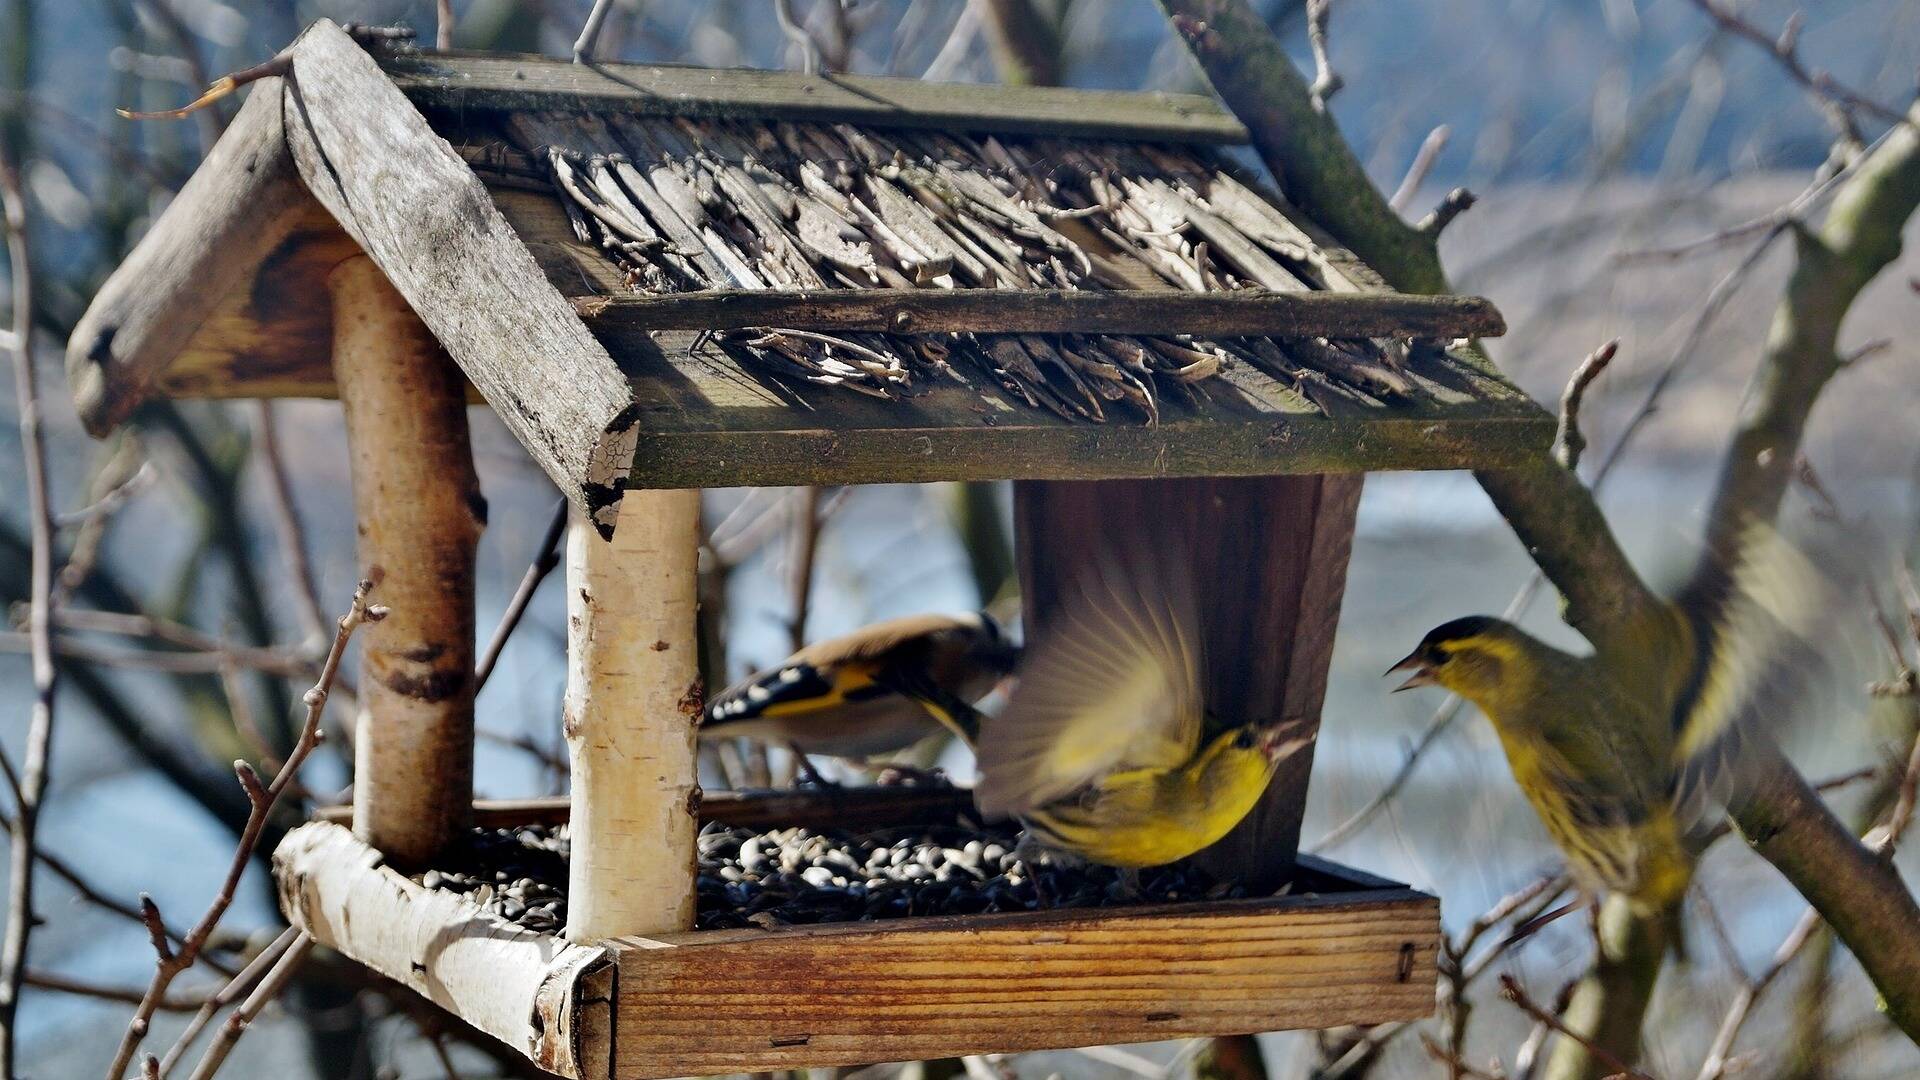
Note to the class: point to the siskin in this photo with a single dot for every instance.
(1105, 751)
(877, 690)
(1619, 752)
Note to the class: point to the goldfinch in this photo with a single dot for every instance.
(1619, 752)
(1105, 751)
(877, 690)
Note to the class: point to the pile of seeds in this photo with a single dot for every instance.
(783, 877)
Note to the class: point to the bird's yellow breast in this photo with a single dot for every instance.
(1151, 817)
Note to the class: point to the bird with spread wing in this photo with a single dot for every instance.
(1106, 750)
(1620, 752)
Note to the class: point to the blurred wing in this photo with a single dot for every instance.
(1113, 684)
(1767, 621)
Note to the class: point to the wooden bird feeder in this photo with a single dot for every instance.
(664, 279)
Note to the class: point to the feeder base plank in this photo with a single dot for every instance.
(746, 1000)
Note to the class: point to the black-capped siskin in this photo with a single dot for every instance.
(879, 689)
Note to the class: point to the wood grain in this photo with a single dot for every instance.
(458, 81)
(846, 808)
(416, 208)
(1246, 313)
(531, 991)
(419, 514)
(739, 1001)
(633, 700)
(186, 292)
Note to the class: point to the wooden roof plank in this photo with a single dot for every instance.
(1246, 313)
(416, 208)
(496, 81)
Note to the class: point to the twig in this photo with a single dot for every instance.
(1715, 1065)
(270, 986)
(1457, 1067)
(32, 785)
(1568, 442)
(544, 560)
(1457, 202)
(114, 498)
(813, 58)
(286, 523)
(1510, 989)
(261, 800)
(67, 984)
(237, 985)
(193, 662)
(806, 547)
(443, 24)
(590, 31)
(1423, 161)
(1326, 81)
(1836, 99)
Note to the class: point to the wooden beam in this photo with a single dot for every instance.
(633, 701)
(416, 208)
(418, 505)
(806, 996)
(470, 82)
(857, 808)
(1005, 311)
(242, 204)
(543, 997)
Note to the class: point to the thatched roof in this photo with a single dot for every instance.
(699, 278)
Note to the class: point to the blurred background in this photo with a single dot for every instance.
(1595, 132)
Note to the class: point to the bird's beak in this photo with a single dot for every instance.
(1283, 740)
(1422, 672)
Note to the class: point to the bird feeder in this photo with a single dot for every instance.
(664, 279)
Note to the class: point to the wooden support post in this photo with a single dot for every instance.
(1270, 561)
(420, 515)
(633, 700)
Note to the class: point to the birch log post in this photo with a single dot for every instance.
(633, 700)
(419, 511)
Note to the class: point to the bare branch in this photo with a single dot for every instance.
(813, 57)
(270, 986)
(1837, 100)
(68, 984)
(1568, 442)
(590, 32)
(443, 24)
(1510, 989)
(32, 778)
(1457, 202)
(1326, 81)
(1423, 161)
(544, 560)
(237, 985)
(262, 799)
(286, 523)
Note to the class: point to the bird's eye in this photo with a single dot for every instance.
(1245, 739)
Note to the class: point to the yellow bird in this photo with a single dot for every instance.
(877, 690)
(1620, 752)
(1105, 752)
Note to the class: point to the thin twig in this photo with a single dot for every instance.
(237, 985)
(261, 800)
(237, 1021)
(590, 31)
(807, 523)
(1457, 202)
(286, 523)
(67, 984)
(813, 58)
(1423, 161)
(1326, 81)
(1568, 442)
(32, 778)
(1510, 989)
(1839, 101)
(545, 558)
